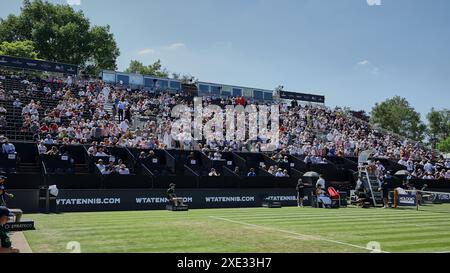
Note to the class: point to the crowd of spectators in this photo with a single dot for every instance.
(92, 111)
(111, 168)
(426, 169)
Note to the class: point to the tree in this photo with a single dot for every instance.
(444, 145)
(60, 34)
(398, 116)
(154, 69)
(188, 79)
(176, 76)
(21, 49)
(438, 124)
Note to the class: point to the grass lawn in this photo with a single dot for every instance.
(255, 230)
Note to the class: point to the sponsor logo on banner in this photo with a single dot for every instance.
(45, 66)
(407, 200)
(87, 201)
(37, 65)
(158, 200)
(114, 200)
(444, 197)
(282, 198)
(225, 199)
(19, 226)
(440, 198)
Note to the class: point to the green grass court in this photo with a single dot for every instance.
(255, 230)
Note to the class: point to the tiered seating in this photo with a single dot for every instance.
(311, 138)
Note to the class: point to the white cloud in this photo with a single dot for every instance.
(374, 2)
(176, 46)
(364, 62)
(367, 65)
(146, 51)
(74, 2)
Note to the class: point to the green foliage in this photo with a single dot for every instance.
(439, 124)
(154, 69)
(444, 145)
(398, 116)
(61, 34)
(22, 49)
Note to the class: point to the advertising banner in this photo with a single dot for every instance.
(406, 200)
(302, 97)
(122, 200)
(437, 197)
(30, 64)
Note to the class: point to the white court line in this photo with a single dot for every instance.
(293, 233)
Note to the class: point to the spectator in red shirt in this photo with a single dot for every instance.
(240, 101)
(54, 128)
(44, 128)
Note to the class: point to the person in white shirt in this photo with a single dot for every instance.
(42, 149)
(428, 176)
(17, 103)
(322, 198)
(402, 162)
(48, 140)
(47, 90)
(101, 153)
(279, 173)
(123, 170)
(428, 167)
(410, 166)
(447, 175)
(101, 167)
(217, 156)
(8, 148)
(401, 191)
(380, 168)
(320, 182)
(124, 126)
(69, 80)
(213, 172)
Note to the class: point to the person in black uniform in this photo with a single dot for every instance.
(5, 241)
(3, 193)
(384, 187)
(421, 194)
(171, 196)
(300, 192)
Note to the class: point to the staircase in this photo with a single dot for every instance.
(190, 89)
(371, 183)
(108, 106)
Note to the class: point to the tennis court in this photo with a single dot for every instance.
(256, 230)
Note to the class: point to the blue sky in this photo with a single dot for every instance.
(354, 53)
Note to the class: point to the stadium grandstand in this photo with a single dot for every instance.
(105, 144)
(114, 132)
(174, 164)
